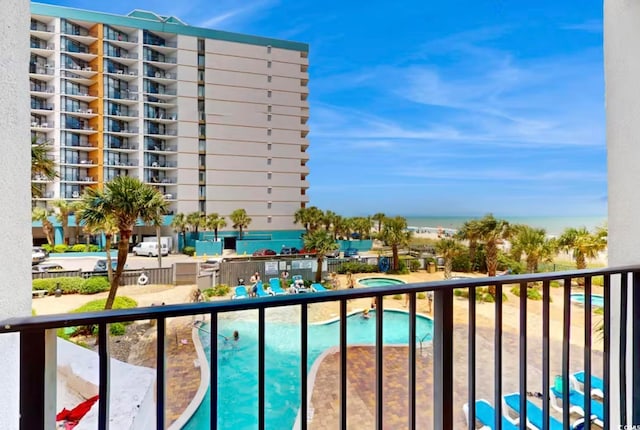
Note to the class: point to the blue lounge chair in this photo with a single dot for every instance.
(274, 284)
(535, 416)
(486, 414)
(597, 384)
(260, 292)
(241, 292)
(577, 402)
(316, 288)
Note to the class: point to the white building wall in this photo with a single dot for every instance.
(622, 69)
(15, 296)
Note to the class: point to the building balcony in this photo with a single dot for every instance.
(398, 368)
(42, 90)
(41, 71)
(122, 130)
(160, 165)
(162, 133)
(122, 164)
(84, 162)
(125, 148)
(79, 128)
(83, 146)
(159, 60)
(161, 148)
(36, 125)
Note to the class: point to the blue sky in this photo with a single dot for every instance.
(438, 108)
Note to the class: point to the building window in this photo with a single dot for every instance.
(269, 64)
(269, 219)
(269, 204)
(202, 161)
(268, 190)
(200, 60)
(269, 175)
(268, 147)
(269, 78)
(269, 108)
(268, 49)
(202, 145)
(200, 90)
(269, 161)
(200, 45)
(268, 117)
(268, 132)
(201, 75)
(202, 204)
(269, 93)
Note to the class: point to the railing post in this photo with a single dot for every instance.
(443, 358)
(38, 367)
(635, 390)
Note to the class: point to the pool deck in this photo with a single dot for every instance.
(183, 377)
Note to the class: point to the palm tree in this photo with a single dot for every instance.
(314, 217)
(125, 199)
(157, 207)
(75, 207)
(328, 218)
(379, 217)
(534, 244)
(323, 243)
(179, 225)
(362, 226)
(395, 233)
(582, 244)
(215, 222)
(41, 165)
(63, 209)
(449, 249)
(95, 224)
(470, 232)
(301, 216)
(42, 215)
(195, 220)
(340, 227)
(240, 220)
(491, 232)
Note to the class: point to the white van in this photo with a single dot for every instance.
(149, 249)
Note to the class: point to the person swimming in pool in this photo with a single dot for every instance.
(365, 314)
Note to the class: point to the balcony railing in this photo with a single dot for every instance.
(35, 349)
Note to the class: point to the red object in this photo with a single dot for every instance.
(78, 412)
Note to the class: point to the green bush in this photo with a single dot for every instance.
(532, 293)
(414, 265)
(95, 284)
(598, 280)
(397, 297)
(78, 248)
(218, 290)
(422, 296)
(461, 263)
(68, 285)
(356, 267)
(47, 247)
(506, 262)
(189, 250)
(115, 329)
(555, 284)
(60, 248)
(94, 248)
(482, 294)
(402, 269)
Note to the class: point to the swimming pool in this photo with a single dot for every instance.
(596, 299)
(238, 364)
(380, 282)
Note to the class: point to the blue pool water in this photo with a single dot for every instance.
(380, 282)
(596, 299)
(238, 364)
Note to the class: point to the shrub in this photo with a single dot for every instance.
(555, 284)
(461, 263)
(422, 296)
(506, 262)
(397, 297)
(116, 329)
(78, 248)
(60, 248)
(47, 247)
(218, 290)
(68, 285)
(414, 265)
(189, 250)
(356, 267)
(94, 248)
(532, 293)
(95, 284)
(482, 294)
(598, 280)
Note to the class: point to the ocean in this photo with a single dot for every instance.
(554, 225)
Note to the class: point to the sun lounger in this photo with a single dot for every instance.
(577, 402)
(241, 292)
(316, 288)
(597, 384)
(535, 416)
(260, 292)
(274, 284)
(485, 413)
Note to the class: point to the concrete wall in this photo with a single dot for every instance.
(15, 298)
(622, 84)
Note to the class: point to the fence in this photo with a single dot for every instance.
(161, 276)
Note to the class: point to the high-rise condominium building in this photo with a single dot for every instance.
(217, 121)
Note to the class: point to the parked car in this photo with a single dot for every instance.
(263, 252)
(307, 251)
(47, 267)
(289, 250)
(150, 249)
(38, 255)
(350, 253)
(101, 265)
(333, 254)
